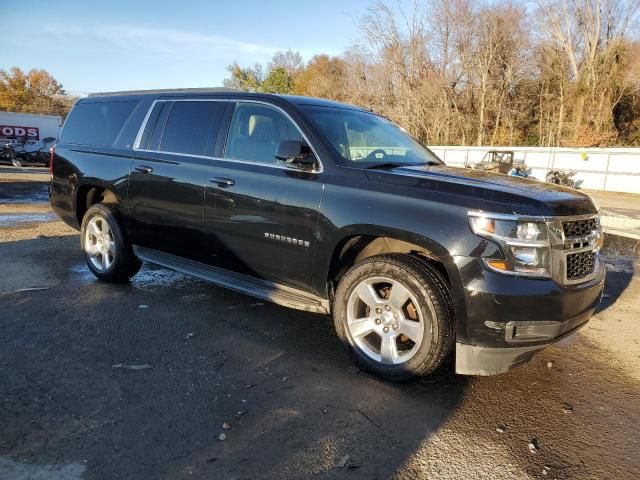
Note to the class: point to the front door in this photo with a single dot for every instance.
(261, 213)
(167, 177)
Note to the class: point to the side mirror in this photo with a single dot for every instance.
(292, 151)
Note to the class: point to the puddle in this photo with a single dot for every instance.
(9, 219)
(23, 192)
(147, 278)
(152, 276)
(30, 198)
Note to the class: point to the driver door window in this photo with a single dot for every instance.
(255, 132)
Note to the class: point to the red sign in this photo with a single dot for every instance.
(33, 133)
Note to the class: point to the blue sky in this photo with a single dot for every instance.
(121, 45)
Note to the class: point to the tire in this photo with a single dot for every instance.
(428, 303)
(107, 251)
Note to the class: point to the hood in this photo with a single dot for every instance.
(520, 195)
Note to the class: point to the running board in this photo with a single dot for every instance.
(263, 289)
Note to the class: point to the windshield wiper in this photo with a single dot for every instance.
(384, 165)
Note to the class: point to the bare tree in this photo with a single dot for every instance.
(562, 72)
(291, 61)
(591, 34)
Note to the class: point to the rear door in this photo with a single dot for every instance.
(166, 181)
(261, 213)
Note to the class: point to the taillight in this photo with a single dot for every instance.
(52, 151)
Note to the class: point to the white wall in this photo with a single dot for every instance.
(611, 169)
(47, 125)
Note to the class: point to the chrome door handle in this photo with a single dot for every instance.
(143, 169)
(222, 182)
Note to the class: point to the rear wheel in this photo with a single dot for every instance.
(107, 252)
(394, 314)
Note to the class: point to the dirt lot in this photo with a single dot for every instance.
(136, 381)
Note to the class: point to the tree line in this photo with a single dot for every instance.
(545, 73)
(35, 91)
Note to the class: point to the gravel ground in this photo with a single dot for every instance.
(137, 381)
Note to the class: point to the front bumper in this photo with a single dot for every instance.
(483, 360)
(509, 318)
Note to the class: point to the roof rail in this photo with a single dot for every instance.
(167, 90)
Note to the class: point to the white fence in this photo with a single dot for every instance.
(611, 169)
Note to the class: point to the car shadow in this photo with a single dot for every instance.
(620, 270)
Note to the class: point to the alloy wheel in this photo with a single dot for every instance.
(99, 244)
(385, 320)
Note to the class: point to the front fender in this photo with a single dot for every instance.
(401, 241)
(354, 205)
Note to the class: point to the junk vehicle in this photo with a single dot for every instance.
(496, 161)
(562, 177)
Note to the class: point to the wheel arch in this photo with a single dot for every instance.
(357, 244)
(89, 194)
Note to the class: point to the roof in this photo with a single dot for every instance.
(298, 100)
(320, 102)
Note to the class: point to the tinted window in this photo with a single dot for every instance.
(255, 132)
(96, 123)
(191, 127)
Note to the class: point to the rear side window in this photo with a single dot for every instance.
(186, 127)
(96, 123)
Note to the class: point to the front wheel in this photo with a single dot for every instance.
(107, 252)
(394, 314)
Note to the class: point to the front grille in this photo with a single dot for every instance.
(580, 265)
(580, 228)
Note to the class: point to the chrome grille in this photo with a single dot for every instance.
(580, 265)
(574, 248)
(580, 228)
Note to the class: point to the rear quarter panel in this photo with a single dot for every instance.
(78, 166)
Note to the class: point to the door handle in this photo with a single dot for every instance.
(222, 182)
(143, 169)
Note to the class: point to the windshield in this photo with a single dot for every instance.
(365, 139)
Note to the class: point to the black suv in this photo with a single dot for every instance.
(330, 208)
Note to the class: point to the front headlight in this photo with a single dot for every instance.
(524, 242)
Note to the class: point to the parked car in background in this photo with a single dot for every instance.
(329, 208)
